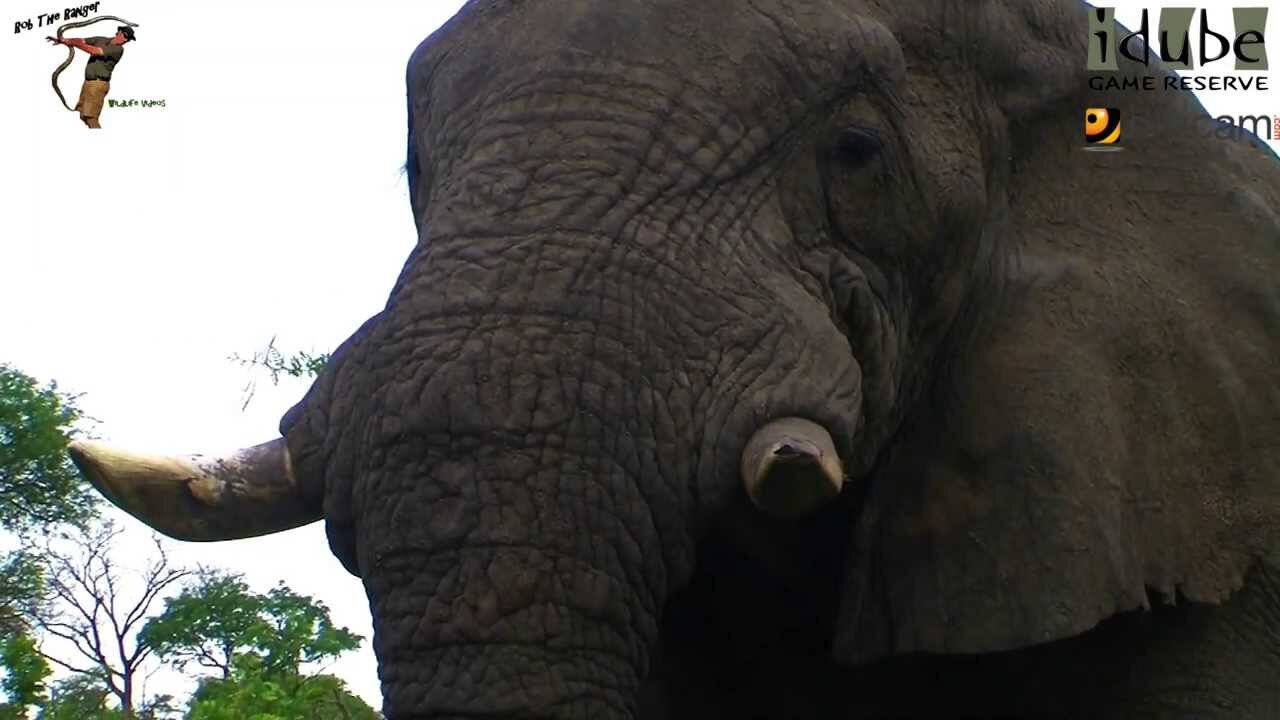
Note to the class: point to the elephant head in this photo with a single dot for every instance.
(676, 258)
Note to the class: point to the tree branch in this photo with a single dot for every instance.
(66, 666)
(87, 606)
(337, 700)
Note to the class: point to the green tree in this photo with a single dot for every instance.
(39, 485)
(159, 707)
(97, 608)
(24, 678)
(21, 589)
(218, 618)
(208, 623)
(39, 488)
(80, 697)
(252, 691)
(301, 632)
(277, 364)
(257, 645)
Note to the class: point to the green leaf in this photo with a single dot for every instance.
(80, 697)
(251, 693)
(25, 672)
(21, 590)
(218, 619)
(38, 483)
(298, 365)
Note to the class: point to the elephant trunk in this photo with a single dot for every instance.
(516, 548)
(531, 587)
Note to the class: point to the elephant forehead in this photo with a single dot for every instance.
(777, 54)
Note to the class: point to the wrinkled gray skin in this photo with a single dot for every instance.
(648, 227)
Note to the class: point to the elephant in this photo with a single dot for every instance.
(794, 359)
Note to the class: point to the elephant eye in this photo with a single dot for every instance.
(857, 146)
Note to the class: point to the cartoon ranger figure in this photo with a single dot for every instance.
(104, 53)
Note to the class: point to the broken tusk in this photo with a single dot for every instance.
(790, 467)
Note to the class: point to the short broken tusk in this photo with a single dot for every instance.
(790, 467)
(251, 492)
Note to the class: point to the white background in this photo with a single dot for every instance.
(265, 198)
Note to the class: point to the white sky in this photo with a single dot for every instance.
(265, 199)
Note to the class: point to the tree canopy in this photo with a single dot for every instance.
(97, 615)
(277, 364)
(218, 618)
(21, 590)
(257, 644)
(39, 485)
(25, 674)
(253, 692)
(79, 697)
(66, 606)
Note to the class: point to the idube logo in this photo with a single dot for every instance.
(1182, 41)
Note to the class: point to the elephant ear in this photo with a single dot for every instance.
(1102, 427)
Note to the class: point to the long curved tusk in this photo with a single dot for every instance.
(252, 492)
(790, 467)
